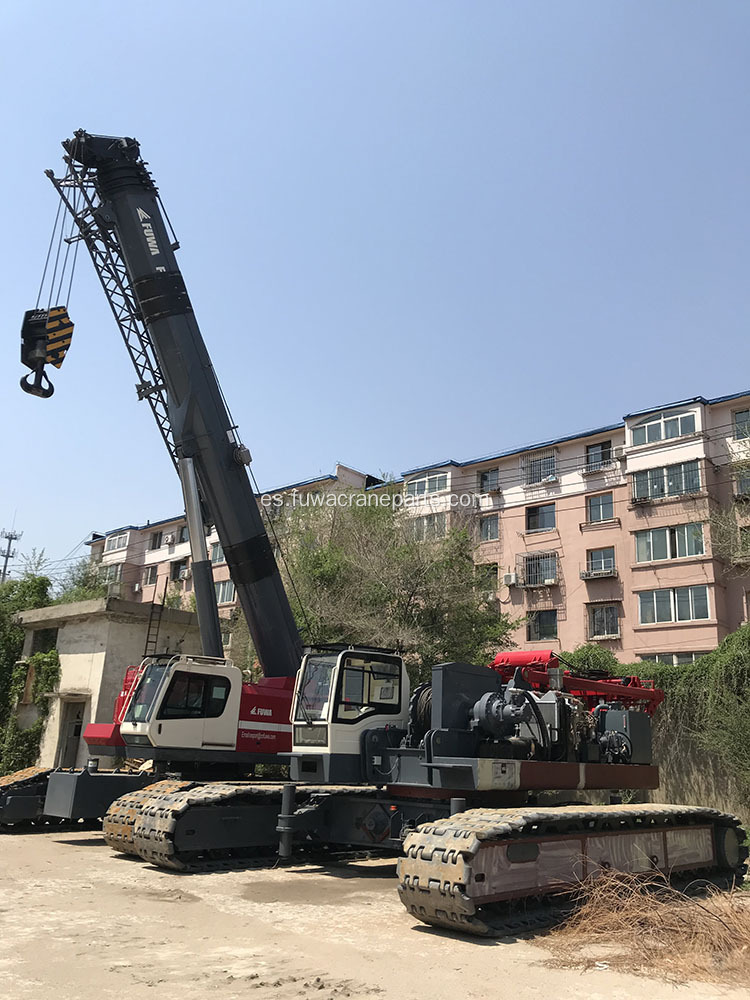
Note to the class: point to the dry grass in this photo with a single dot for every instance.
(643, 925)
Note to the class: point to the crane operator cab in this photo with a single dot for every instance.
(340, 695)
(189, 702)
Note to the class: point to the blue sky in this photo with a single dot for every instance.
(410, 230)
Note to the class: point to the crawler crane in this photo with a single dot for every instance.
(449, 774)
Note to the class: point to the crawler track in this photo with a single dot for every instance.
(118, 825)
(495, 872)
(29, 783)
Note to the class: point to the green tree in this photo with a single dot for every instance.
(356, 572)
(15, 596)
(80, 582)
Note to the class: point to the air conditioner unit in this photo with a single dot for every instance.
(618, 451)
(550, 479)
(136, 588)
(509, 579)
(169, 539)
(186, 573)
(637, 500)
(550, 582)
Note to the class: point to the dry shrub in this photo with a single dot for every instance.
(646, 926)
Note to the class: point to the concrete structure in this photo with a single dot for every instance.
(96, 640)
(602, 536)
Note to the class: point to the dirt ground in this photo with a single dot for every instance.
(79, 921)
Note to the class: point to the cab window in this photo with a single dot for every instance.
(368, 687)
(194, 696)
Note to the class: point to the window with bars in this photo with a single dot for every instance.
(542, 625)
(673, 604)
(539, 467)
(603, 621)
(742, 483)
(539, 569)
(675, 659)
(667, 481)
(675, 542)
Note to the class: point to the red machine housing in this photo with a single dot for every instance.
(107, 734)
(631, 692)
(265, 707)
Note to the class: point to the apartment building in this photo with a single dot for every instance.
(603, 536)
(147, 562)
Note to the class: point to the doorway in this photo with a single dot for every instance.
(71, 725)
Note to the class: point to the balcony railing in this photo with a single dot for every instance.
(602, 465)
(607, 569)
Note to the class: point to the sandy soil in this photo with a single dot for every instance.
(77, 921)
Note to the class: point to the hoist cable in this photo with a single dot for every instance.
(49, 251)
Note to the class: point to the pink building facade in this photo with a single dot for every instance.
(601, 537)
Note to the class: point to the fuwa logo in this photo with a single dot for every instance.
(260, 711)
(148, 232)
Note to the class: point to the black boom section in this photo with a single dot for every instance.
(200, 423)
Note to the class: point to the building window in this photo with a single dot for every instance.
(540, 569)
(539, 468)
(217, 553)
(485, 576)
(661, 426)
(540, 518)
(224, 591)
(149, 577)
(669, 543)
(489, 528)
(542, 625)
(429, 527)
(183, 535)
(489, 479)
(667, 480)
(155, 540)
(43, 640)
(111, 573)
(675, 604)
(742, 424)
(177, 568)
(742, 483)
(675, 659)
(604, 621)
(600, 560)
(430, 484)
(600, 508)
(598, 456)
(115, 542)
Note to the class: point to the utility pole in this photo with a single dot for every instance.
(12, 536)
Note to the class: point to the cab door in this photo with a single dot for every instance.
(200, 708)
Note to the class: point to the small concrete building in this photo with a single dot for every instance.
(96, 640)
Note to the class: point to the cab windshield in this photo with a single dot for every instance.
(142, 702)
(314, 692)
